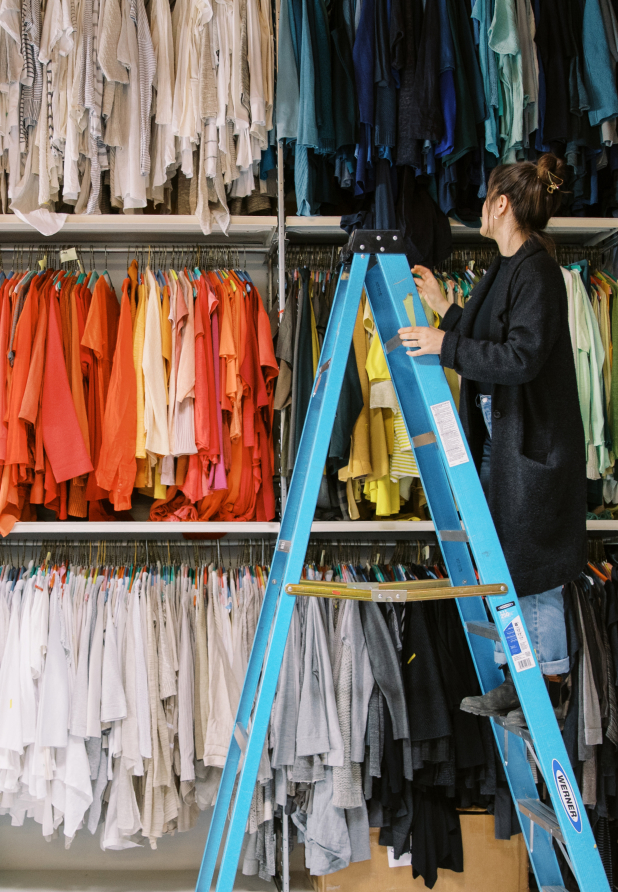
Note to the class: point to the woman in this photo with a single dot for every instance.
(519, 406)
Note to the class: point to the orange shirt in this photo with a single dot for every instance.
(62, 437)
(100, 336)
(5, 315)
(117, 466)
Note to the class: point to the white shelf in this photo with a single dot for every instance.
(122, 529)
(126, 529)
(257, 231)
(312, 229)
(587, 231)
(126, 228)
(601, 525)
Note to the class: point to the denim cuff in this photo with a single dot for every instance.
(558, 667)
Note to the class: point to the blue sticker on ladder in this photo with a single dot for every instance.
(516, 638)
(565, 793)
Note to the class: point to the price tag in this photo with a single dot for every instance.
(68, 255)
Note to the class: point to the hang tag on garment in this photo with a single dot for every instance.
(404, 861)
(71, 254)
(43, 263)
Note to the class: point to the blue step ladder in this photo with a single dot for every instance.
(465, 530)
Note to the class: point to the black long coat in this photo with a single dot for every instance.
(537, 489)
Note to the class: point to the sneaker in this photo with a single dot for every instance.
(500, 701)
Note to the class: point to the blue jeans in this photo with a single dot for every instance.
(543, 613)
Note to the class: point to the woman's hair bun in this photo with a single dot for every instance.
(550, 167)
(533, 190)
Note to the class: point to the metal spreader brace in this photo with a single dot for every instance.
(465, 530)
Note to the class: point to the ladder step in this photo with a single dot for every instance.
(554, 889)
(517, 730)
(484, 630)
(542, 815)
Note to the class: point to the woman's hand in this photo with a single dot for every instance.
(427, 339)
(429, 289)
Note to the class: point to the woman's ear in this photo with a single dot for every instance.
(501, 205)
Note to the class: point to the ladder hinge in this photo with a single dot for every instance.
(375, 241)
(381, 594)
(423, 440)
(453, 535)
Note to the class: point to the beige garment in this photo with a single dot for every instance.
(223, 693)
(201, 671)
(131, 756)
(159, 769)
(208, 87)
(186, 695)
(268, 59)
(108, 44)
(167, 676)
(155, 410)
(163, 145)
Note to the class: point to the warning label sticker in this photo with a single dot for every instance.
(450, 434)
(516, 639)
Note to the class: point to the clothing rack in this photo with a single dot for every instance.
(316, 257)
(484, 255)
(219, 253)
(250, 551)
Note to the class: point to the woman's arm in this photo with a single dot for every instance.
(452, 318)
(429, 289)
(534, 325)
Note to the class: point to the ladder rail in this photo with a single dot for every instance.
(267, 651)
(437, 488)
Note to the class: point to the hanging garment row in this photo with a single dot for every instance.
(370, 467)
(371, 471)
(103, 104)
(383, 742)
(169, 392)
(119, 685)
(387, 105)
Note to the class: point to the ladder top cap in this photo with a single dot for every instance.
(375, 241)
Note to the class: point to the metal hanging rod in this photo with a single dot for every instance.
(315, 257)
(24, 247)
(483, 255)
(183, 543)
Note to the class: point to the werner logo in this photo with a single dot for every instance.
(567, 798)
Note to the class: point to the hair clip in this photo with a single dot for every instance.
(554, 182)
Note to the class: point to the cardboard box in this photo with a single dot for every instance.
(489, 864)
